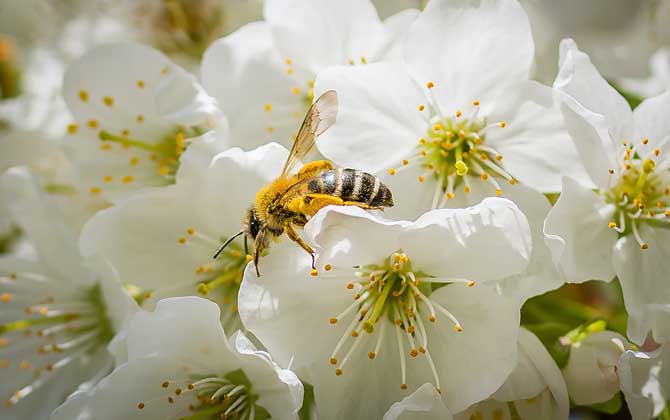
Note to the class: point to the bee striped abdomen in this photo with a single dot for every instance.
(352, 185)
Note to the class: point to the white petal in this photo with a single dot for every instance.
(378, 124)
(398, 25)
(643, 275)
(593, 141)
(469, 49)
(541, 275)
(280, 391)
(534, 361)
(182, 328)
(348, 236)
(474, 363)
(452, 243)
(578, 78)
(244, 71)
(424, 403)
(536, 146)
(591, 372)
(651, 120)
(318, 34)
(644, 382)
(577, 232)
(23, 147)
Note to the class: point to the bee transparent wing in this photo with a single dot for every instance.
(320, 116)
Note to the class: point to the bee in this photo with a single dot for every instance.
(291, 199)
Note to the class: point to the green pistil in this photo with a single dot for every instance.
(369, 326)
(104, 323)
(106, 135)
(234, 261)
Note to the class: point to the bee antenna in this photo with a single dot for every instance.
(225, 244)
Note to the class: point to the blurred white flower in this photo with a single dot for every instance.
(263, 74)
(619, 35)
(183, 29)
(135, 114)
(657, 83)
(387, 8)
(58, 313)
(591, 373)
(645, 381)
(621, 228)
(181, 366)
(534, 390)
(400, 302)
(163, 240)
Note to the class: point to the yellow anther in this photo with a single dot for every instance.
(338, 372)
(450, 195)
(105, 146)
(499, 192)
(134, 161)
(403, 386)
(458, 328)
(127, 179)
(270, 129)
(83, 95)
(484, 176)
(405, 162)
(430, 85)
(190, 231)
(458, 115)
(645, 141)
(363, 60)
(139, 118)
(657, 152)
(332, 361)
(644, 245)
(289, 71)
(141, 84)
(423, 153)
(5, 297)
(648, 166)
(437, 127)
(372, 355)
(92, 124)
(499, 158)
(288, 61)
(25, 365)
(327, 267)
(108, 100)
(414, 352)
(666, 213)
(421, 178)
(295, 90)
(181, 240)
(421, 107)
(247, 258)
(165, 70)
(125, 132)
(475, 103)
(267, 107)
(466, 189)
(72, 128)
(471, 283)
(95, 190)
(502, 124)
(350, 286)
(313, 272)
(611, 225)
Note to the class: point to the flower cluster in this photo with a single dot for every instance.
(483, 187)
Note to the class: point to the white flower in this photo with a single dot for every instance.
(387, 8)
(620, 35)
(534, 390)
(659, 80)
(443, 146)
(270, 66)
(622, 227)
(181, 366)
(57, 314)
(645, 381)
(183, 29)
(135, 115)
(424, 402)
(163, 240)
(591, 371)
(398, 293)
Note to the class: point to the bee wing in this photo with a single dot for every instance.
(320, 116)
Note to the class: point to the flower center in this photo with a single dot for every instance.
(164, 154)
(391, 295)
(211, 397)
(63, 328)
(455, 149)
(641, 194)
(219, 279)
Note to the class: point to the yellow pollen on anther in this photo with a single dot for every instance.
(181, 240)
(267, 107)
(502, 124)
(458, 328)
(499, 192)
(134, 161)
(458, 114)
(95, 190)
(421, 107)
(72, 128)
(327, 267)
(421, 178)
(657, 152)
(108, 100)
(141, 84)
(105, 146)
(25, 365)
(92, 124)
(450, 196)
(5, 297)
(127, 179)
(471, 283)
(332, 321)
(313, 272)
(403, 386)
(295, 90)
(475, 103)
(338, 372)
(484, 176)
(611, 225)
(644, 245)
(140, 405)
(139, 118)
(430, 85)
(466, 189)
(391, 171)
(165, 70)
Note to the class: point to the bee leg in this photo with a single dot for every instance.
(293, 235)
(312, 168)
(259, 246)
(246, 248)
